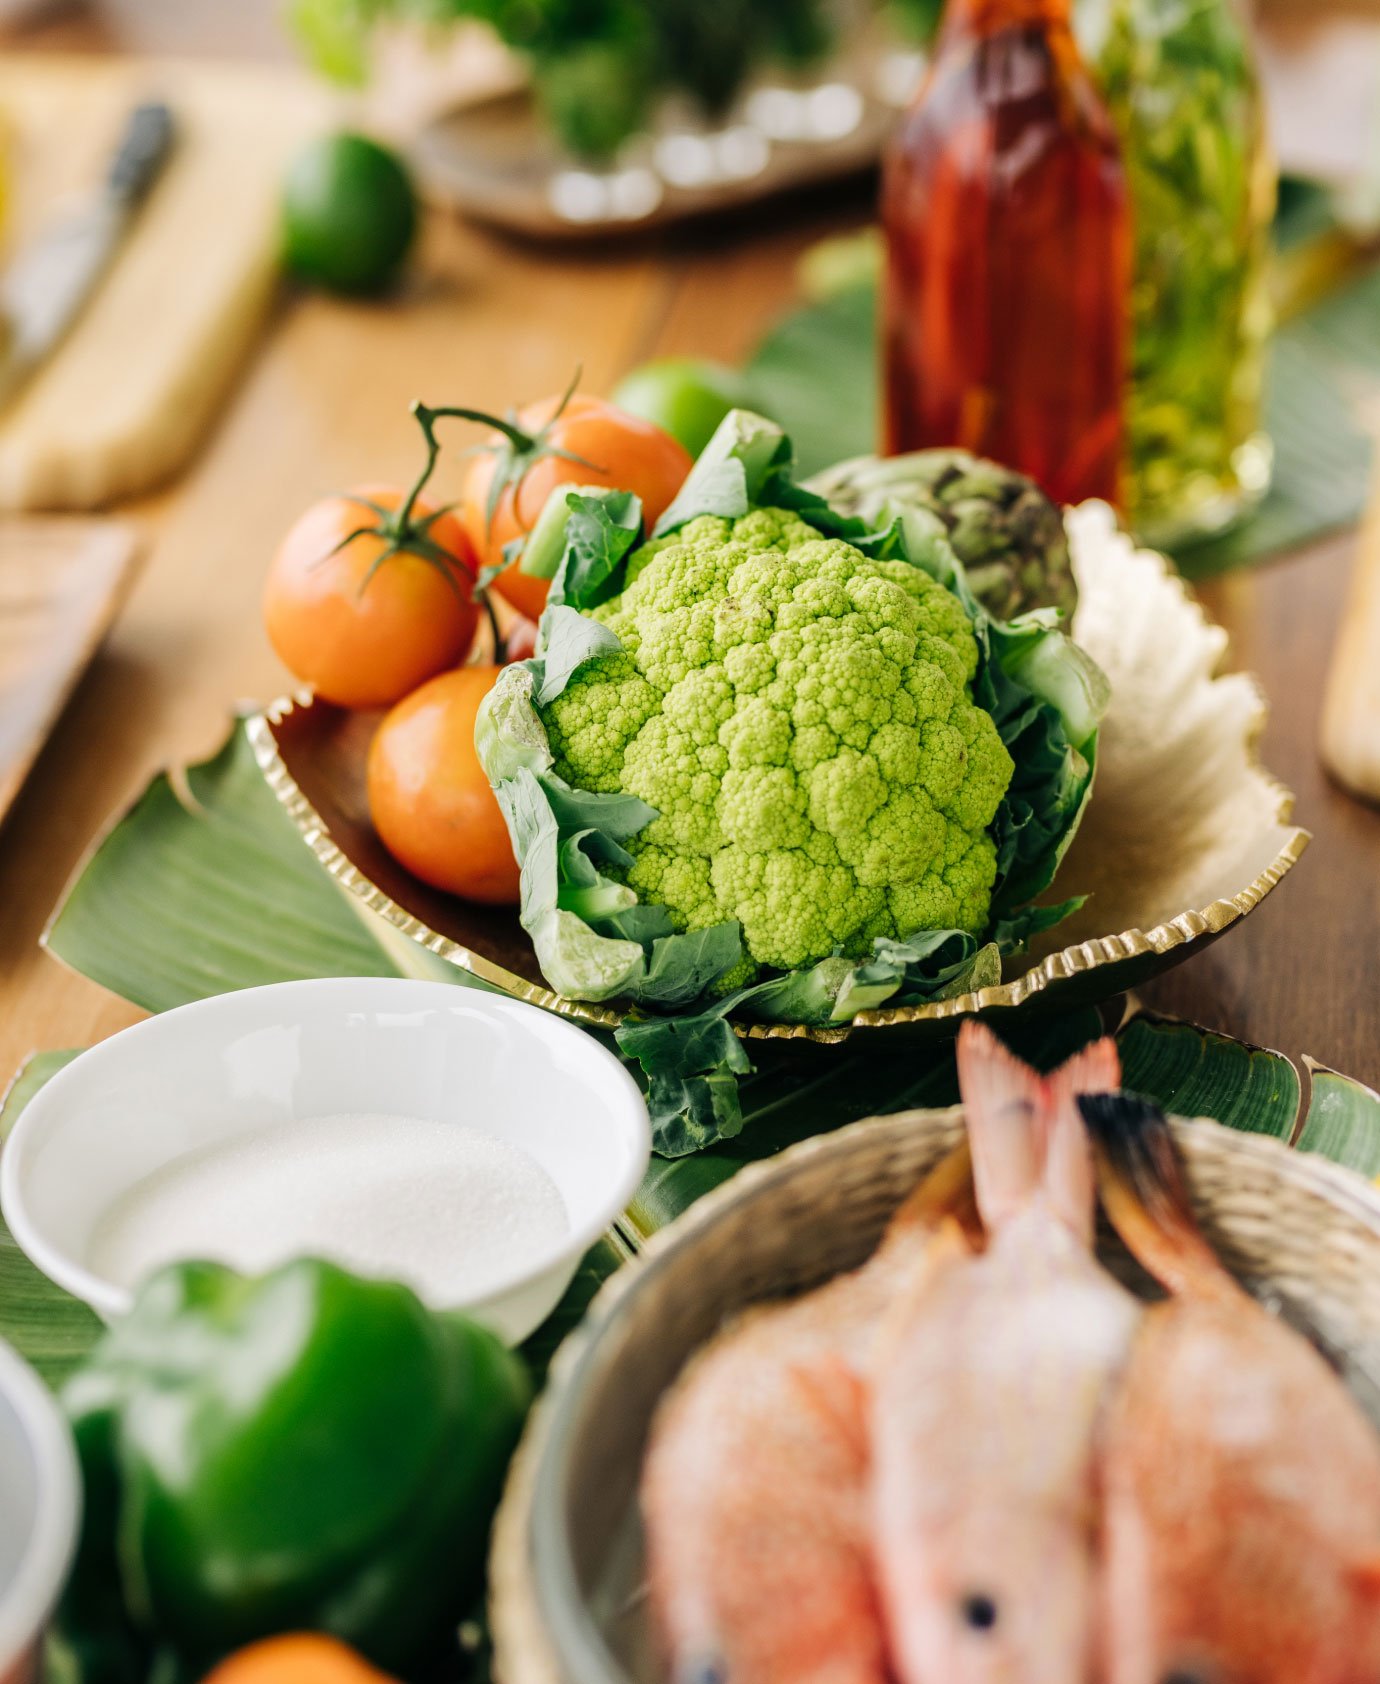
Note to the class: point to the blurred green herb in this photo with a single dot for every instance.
(1178, 77)
(597, 66)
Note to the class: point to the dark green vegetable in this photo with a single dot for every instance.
(300, 1451)
(686, 396)
(349, 214)
(1008, 535)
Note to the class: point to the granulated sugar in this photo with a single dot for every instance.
(448, 1209)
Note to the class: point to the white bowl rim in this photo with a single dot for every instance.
(111, 1301)
(28, 1602)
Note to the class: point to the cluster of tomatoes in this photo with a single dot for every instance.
(375, 599)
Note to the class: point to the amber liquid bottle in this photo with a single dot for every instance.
(1008, 254)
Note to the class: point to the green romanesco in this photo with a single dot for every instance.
(801, 718)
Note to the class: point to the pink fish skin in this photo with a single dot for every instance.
(1241, 1481)
(991, 1374)
(754, 1491)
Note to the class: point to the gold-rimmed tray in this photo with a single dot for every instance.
(1185, 835)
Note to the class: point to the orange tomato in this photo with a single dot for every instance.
(362, 625)
(430, 800)
(299, 1658)
(617, 449)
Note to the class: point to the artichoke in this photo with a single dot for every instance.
(1008, 535)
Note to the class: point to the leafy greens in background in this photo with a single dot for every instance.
(598, 67)
(595, 941)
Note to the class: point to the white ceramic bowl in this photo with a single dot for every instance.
(39, 1512)
(209, 1072)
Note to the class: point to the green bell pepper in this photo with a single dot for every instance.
(300, 1450)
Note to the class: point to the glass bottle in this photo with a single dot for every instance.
(1181, 84)
(1008, 254)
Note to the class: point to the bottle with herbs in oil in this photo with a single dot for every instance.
(1008, 254)
(1181, 84)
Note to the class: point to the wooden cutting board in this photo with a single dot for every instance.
(61, 583)
(124, 401)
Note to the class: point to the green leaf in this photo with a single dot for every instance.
(600, 529)
(1343, 1121)
(692, 1064)
(1053, 777)
(816, 374)
(801, 1089)
(47, 1327)
(208, 887)
(509, 736)
(682, 966)
(568, 641)
(1198, 1073)
(731, 471)
(603, 1258)
(335, 37)
(31, 1076)
(931, 965)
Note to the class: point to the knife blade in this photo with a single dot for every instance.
(43, 290)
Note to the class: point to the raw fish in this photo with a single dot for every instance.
(991, 1374)
(754, 1488)
(1241, 1481)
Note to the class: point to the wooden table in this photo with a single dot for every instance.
(484, 323)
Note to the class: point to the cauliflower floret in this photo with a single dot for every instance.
(800, 716)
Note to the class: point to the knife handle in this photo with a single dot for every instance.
(142, 152)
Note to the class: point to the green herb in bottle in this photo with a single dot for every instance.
(1181, 85)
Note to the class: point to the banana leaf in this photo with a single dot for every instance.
(1343, 1121)
(54, 1331)
(1196, 1073)
(204, 886)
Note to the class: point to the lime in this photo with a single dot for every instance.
(349, 213)
(685, 396)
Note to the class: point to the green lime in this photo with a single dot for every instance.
(685, 396)
(349, 213)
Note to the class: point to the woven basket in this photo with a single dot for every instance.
(566, 1566)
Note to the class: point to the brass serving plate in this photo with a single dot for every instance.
(1186, 832)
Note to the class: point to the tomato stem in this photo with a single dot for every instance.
(515, 458)
(500, 642)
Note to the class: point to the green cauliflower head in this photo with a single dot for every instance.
(801, 718)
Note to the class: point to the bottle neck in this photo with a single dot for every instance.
(966, 19)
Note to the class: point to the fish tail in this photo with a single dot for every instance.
(1144, 1194)
(1069, 1177)
(1004, 1103)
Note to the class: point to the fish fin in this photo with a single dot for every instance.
(947, 1191)
(1070, 1181)
(835, 1390)
(1004, 1104)
(1144, 1194)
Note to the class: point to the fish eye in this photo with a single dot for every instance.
(979, 1611)
(702, 1669)
(1184, 1675)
